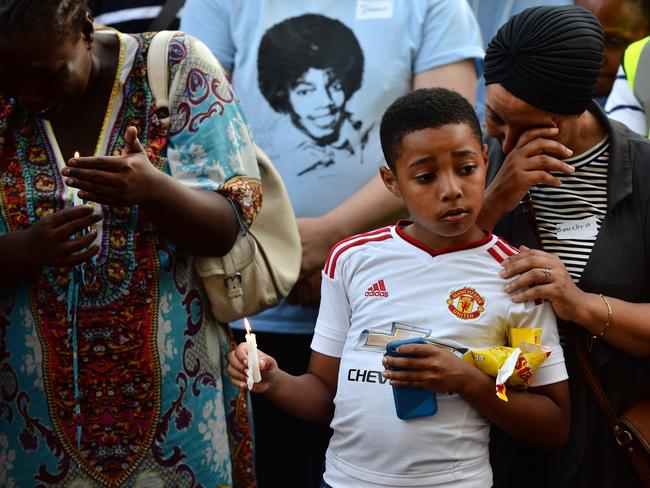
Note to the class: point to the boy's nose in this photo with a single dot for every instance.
(450, 188)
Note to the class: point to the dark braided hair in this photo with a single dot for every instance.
(64, 17)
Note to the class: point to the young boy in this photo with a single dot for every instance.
(436, 276)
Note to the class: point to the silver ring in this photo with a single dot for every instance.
(547, 274)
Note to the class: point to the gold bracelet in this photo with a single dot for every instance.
(608, 324)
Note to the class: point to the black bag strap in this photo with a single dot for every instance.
(166, 16)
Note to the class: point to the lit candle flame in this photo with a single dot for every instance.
(76, 154)
(247, 326)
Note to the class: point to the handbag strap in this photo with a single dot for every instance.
(596, 388)
(157, 68)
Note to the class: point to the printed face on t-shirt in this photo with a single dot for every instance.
(317, 102)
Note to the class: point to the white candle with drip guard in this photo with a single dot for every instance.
(253, 372)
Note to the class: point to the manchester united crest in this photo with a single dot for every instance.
(466, 303)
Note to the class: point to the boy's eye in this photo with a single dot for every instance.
(424, 177)
(467, 169)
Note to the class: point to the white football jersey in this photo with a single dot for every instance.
(384, 285)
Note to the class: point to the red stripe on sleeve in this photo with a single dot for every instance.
(509, 246)
(505, 248)
(341, 249)
(494, 253)
(348, 239)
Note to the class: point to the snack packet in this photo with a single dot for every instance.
(515, 364)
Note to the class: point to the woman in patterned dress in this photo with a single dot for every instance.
(111, 361)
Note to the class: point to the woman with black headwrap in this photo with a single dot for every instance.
(573, 183)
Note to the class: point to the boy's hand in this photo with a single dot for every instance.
(238, 367)
(434, 369)
(123, 180)
(55, 240)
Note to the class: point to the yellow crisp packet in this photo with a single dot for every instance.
(514, 365)
(517, 336)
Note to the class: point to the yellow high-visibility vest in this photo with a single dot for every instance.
(636, 63)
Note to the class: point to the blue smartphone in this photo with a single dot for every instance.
(411, 402)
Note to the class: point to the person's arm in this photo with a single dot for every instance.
(370, 207)
(629, 330)
(539, 417)
(308, 396)
(200, 222)
(459, 76)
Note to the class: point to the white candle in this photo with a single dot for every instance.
(253, 373)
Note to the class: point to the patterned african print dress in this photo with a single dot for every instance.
(156, 408)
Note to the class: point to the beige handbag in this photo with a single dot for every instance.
(264, 263)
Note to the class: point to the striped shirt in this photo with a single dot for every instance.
(582, 195)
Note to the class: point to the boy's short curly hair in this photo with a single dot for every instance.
(293, 46)
(427, 108)
(64, 17)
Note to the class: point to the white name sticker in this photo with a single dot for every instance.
(374, 9)
(577, 229)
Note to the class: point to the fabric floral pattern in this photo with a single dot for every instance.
(156, 406)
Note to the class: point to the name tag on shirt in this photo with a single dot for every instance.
(374, 9)
(577, 229)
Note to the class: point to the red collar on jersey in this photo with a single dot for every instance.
(437, 252)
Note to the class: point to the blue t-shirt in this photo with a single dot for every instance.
(315, 78)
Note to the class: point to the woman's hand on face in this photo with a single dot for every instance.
(123, 180)
(543, 276)
(57, 240)
(529, 163)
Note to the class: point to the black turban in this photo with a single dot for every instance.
(549, 57)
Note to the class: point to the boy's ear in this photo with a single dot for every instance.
(485, 155)
(390, 180)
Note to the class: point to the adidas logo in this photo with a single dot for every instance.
(378, 289)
